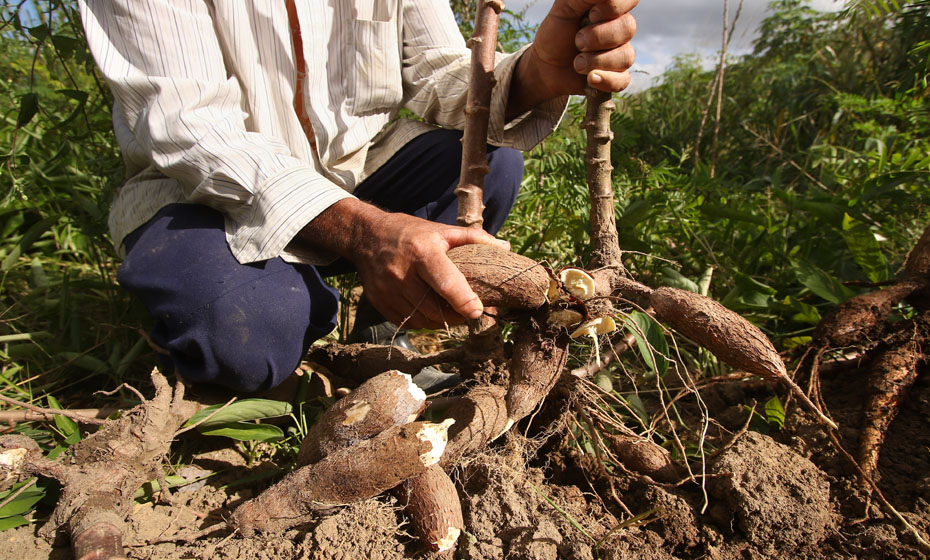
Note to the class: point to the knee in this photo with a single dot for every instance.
(250, 347)
(246, 340)
(501, 185)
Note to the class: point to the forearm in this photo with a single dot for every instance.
(342, 229)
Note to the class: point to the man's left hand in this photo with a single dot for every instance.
(579, 43)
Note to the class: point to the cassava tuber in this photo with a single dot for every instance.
(501, 278)
(388, 399)
(348, 475)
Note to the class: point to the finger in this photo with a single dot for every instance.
(609, 81)
(443, 276)
(610, 9)
(619, 59)
(459, 236)
(606, 35)
(427, 309)
(576, 9)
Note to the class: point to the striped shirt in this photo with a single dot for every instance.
(210, 107)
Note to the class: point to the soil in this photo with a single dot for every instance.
(784, 494)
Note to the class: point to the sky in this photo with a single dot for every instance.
(666, 28)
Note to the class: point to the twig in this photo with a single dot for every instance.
(53, 411)
(592, 368)
(148, 339)
(187, 538)
(7, 416)
(127, 386)
(742, 431)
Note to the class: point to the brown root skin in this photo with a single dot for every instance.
(345, 476)
(386, 400)
(360, 362)
(729, 336)
(500, 278)
(539, 354)
(644, 457)
(432, 503)
(892, 374)
(480, 416)
(917, 265)
(100, 474)
(861, 318)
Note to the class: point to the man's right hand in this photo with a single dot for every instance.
(401, 260)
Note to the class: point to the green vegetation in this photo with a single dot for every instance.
(813, 185)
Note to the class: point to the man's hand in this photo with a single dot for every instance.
(401, 261)
(580, 42)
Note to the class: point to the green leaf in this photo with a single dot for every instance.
(650, 340)
(678, 280)
(12, 522)
(244, 431)
(865, 250)
(750, 293)
(28, 107)
(636, 405)
(819, 282)
(68, 427)
(240, 411)
(148, 489)
(22, 503)
(31, 236)
(775, 412)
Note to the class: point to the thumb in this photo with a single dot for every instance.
(468, 236)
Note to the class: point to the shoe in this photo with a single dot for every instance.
(371, 327)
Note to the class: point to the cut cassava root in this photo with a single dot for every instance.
(433, 506)
(348, 475)
(386, 400)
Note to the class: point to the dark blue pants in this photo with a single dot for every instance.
(247, 327)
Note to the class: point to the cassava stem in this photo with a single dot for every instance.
(604, 240)
(477, 112)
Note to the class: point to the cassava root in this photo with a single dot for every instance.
(386, 400)
(348, 475)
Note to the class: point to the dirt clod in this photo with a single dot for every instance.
(773, 497)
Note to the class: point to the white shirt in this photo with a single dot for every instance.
(205, 104)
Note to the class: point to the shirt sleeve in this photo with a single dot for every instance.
(437, 65)
(164, 64)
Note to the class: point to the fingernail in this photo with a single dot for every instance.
(580, 64)
(476, 313)
(595, 78)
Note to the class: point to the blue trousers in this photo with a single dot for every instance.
(246, 327)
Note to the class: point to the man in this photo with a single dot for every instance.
(259, 149)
